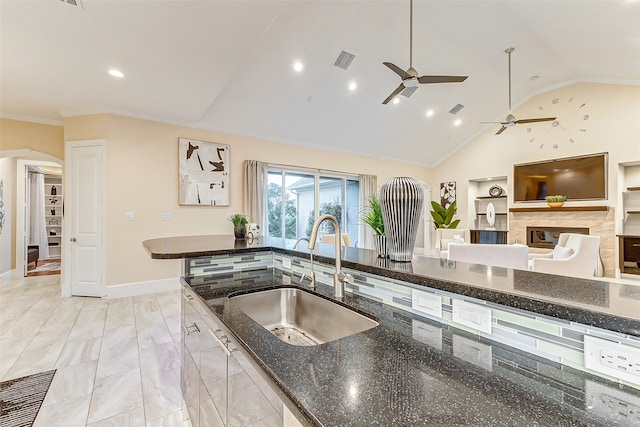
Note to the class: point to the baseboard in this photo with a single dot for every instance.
(141, 288)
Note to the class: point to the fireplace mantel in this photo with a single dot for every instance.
(564, 208)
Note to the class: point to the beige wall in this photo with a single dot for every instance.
(18, 135)
(613, 126)
(142, 172)
(22, 140)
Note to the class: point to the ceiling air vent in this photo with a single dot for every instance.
(344, 59)
(75, 3)
(408, 91)
(456, 109)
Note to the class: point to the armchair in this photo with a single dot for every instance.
(576, 255)
(444, 236)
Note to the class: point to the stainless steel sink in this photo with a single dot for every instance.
(301, 318)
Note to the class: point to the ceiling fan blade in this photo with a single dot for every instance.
(544, 119)
(502, 129)
(394, 93)
(399, 71)
(501, 123)
(441, 79)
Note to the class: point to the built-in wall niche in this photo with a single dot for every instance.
(482, 192)
(53, 213)
(631, 199)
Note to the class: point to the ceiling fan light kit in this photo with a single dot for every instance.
(410, 77)
(511, 120)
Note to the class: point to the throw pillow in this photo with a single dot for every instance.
(560, 252)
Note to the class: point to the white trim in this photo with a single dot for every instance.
(140, 288)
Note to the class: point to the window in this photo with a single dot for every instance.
(296, 197)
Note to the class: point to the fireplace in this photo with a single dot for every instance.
(547, 237)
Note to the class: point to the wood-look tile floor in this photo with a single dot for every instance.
(117, 360)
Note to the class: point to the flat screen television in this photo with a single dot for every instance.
(578, 178)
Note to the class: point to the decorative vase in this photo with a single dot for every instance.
(380, 243)
(239, 233)
(401, 201)
(54, 191)
(555, 204)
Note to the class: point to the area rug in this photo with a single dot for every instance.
(21, 398)
(50, 266)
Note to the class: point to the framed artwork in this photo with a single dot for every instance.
(447, 193)
(204, 173)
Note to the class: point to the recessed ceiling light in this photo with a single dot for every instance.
(457, 122)
(353, 86)
(116, 73)
(298, 66)
(430, 113)
(396, 100)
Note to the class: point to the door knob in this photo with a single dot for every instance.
(73, 239)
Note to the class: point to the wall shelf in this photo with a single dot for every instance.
(564, 208)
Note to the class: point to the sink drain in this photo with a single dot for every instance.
(293, 336)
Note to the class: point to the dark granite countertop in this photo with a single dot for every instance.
(386, 376)
(600, 303)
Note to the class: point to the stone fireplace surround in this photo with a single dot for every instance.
(599, 223)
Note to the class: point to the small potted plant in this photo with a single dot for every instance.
(239, 222)
(556, 201)
(443, 218)
(372, 216)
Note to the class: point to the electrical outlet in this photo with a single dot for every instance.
(286, 263)
(611, 358)
(166, 216)
(286, 279)
(129, 216)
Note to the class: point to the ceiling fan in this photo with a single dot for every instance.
(511, 120)
(410, 77)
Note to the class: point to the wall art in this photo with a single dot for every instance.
(447, 193)
(204, 173)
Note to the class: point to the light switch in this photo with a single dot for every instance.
(472, 315)
(129, 216)
(426, 302)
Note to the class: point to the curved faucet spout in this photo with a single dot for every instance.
(338, 277)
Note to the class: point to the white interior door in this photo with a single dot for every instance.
(85, 179)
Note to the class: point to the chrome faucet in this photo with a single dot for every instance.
(311, 277)
(338, 277)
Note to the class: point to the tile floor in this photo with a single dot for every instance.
(117, 360)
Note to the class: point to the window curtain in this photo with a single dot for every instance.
(368, 188)
(254, 176)
(37, 221)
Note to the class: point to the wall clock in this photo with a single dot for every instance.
(569, 127)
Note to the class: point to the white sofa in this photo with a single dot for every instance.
(444, 236)
(507, 256)
(576, 255)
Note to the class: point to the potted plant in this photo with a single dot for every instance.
(372, 216)
(239, 222)
(443, 218)
(555, 201)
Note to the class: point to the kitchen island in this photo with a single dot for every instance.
(413, 369)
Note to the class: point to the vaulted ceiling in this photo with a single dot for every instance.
(227, 65)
